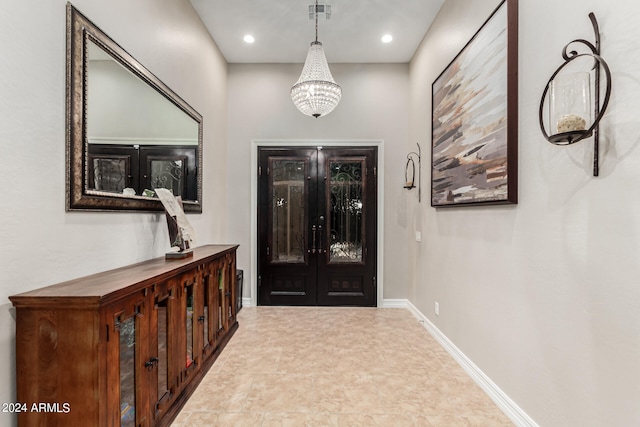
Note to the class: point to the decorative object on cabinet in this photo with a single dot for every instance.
(126, 346)
(181, 233)
(118, 111)
(570, 101)
(316, 93)
(410, 180)
(475, 117)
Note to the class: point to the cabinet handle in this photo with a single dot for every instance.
(149, 364)
(228, 294)
(201, 319)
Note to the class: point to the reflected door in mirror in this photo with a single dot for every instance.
(134, 170)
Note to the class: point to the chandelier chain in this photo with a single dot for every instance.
(316, 21)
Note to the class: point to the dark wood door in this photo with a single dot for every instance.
(317, 226)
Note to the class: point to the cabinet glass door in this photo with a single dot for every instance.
(162, 316)
(223, 288)
(189, 323)
(209, 316)
(230, 293)
(127, 332)
(161, 348)
(204, 320)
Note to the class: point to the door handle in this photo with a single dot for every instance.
(313, 238)
(320, 222)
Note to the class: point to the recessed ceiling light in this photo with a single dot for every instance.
(249, 39)
(387, 38)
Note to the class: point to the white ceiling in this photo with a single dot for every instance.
(283, 30)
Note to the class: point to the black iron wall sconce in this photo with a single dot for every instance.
(410, 171)
(570, 106)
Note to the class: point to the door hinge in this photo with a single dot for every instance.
(259, 281)
(259, 171)
(374, 282)
(268, 250)
(375, 171)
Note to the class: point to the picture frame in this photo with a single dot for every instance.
(474, 145)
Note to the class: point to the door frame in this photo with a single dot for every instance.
(255, 143)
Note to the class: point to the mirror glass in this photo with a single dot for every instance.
(128, 133)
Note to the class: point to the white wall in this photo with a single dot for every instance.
(374, 106)
(41, 244)
(543, 297)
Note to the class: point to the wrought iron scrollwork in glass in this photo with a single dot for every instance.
(110, 174)
(168, 174)
(345, 212)
(288, 211)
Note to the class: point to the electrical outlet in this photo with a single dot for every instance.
(418, 236)
(437, 308)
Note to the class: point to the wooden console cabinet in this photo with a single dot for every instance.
(126, 347)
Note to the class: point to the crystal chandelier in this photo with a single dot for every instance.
(316, 93)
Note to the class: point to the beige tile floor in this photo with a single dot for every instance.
(290, 366)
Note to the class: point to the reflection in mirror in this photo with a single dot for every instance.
(129, 115)
(127, 133)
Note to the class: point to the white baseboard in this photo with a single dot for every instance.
(394, 303)
(387, 303)
(506, 405)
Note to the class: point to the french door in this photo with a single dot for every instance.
(317, 226)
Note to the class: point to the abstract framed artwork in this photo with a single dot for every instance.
(475, 118)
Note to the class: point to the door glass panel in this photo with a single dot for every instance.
(127, 371)
(288, 209)
(345, 211)
(167, 174)
(110, 174)
(163, 321)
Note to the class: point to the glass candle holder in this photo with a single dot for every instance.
(570, 103)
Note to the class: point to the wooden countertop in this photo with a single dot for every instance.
(98, 289)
